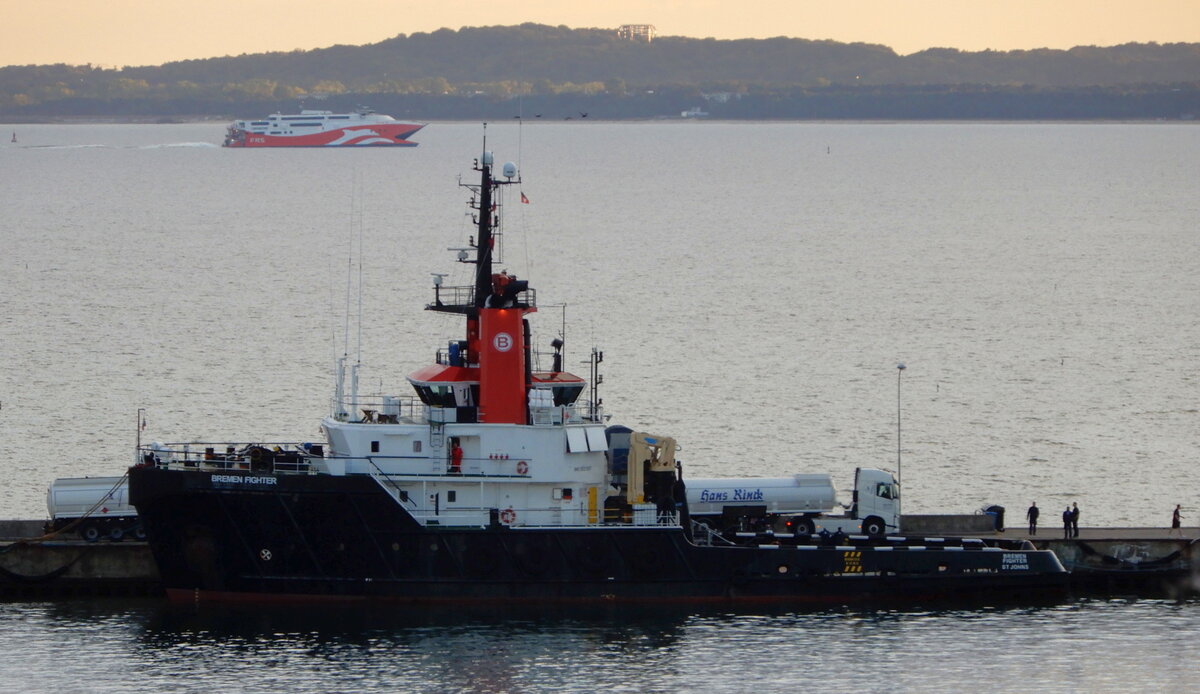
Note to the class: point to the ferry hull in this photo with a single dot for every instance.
(287, 538)
(375, 135)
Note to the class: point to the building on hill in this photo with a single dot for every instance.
(637, 32)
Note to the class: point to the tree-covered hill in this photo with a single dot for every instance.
(448, 72)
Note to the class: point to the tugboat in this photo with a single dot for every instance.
(498, 482)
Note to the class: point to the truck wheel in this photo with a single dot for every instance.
(874, 527)
(116, 533)
(803, 526)
(139, 533)
(90, 532)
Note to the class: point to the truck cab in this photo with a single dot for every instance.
(876, 501)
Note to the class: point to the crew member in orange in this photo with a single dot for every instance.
(456, 456)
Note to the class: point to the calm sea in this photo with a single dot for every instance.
(753, 287)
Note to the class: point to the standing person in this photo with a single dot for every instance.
(1032, 514)
(1175, 522)
(1075, 520)
(1067, 516)
(456, 457)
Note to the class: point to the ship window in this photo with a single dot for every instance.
(374, 446)
(306, 125)
(565, 395)
(451, 496)
(442, 395)
(416, 446)
(260, 122)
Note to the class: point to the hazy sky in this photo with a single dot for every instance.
(149, 32)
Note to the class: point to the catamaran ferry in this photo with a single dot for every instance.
(362, 128)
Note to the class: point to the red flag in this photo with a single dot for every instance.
(523, 198)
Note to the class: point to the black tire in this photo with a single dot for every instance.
(875, 527)
(116, 533)
(139, 533)
(90, 532)
(803, 526)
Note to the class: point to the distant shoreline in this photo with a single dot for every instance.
(664, 120)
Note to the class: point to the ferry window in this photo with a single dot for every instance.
(451, 496)
(374, 446)
(416, 446)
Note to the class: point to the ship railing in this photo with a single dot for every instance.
(491, 467)
(273, 457)
(461, 299)
(380, 409)
(529, 517)
(588, 411)
(705, 535)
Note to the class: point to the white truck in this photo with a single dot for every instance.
(803, 504)
(98, 506)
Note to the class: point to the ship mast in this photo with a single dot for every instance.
(495, 305)
(487, 216)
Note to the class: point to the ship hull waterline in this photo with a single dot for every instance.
(302, 538)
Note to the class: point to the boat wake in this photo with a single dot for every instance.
(174, 145)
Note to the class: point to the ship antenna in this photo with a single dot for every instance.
(483, 255)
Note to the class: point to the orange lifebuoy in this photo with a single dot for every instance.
(522, 467)
(508, 516)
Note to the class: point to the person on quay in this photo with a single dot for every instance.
(1067, 517)
(1176, 521)
(1032, 514)
(1075, 520)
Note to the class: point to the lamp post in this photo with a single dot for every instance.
(899, 370)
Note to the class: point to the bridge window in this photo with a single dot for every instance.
(436, 396)
(566, 395)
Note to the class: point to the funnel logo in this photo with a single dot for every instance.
(502, 342)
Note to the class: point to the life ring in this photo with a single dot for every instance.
(522, 467)
(508, 516)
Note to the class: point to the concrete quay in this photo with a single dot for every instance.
(34, 566)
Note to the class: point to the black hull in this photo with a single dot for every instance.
(318, 538)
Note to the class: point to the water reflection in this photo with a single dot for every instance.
(149, 645)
